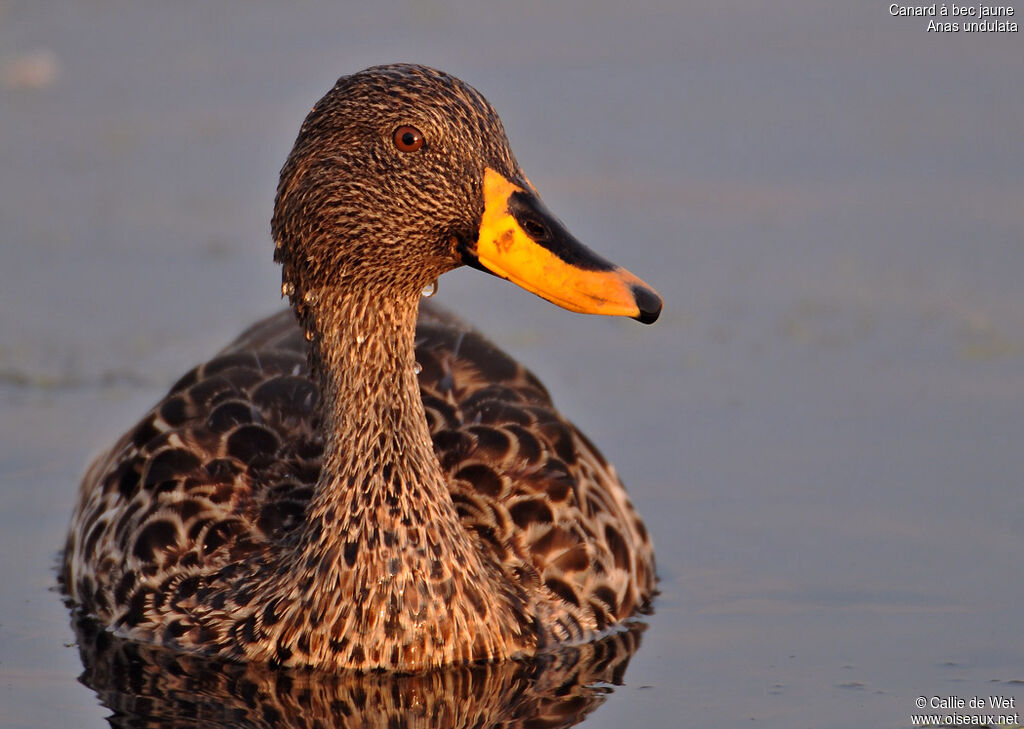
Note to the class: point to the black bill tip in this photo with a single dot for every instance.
(649, 304)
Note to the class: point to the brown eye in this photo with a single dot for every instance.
(408, 139)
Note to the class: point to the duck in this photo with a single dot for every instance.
(363, 481)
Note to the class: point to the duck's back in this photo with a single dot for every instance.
(221, 471)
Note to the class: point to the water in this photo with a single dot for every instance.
(823, 429)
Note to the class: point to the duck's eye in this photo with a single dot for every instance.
(408, 139)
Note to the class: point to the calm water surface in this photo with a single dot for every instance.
(824, 430)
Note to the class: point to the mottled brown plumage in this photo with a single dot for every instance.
(149, 687)
(377, 486)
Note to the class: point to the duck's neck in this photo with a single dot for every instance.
(390, 576)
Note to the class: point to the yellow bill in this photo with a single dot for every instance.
(521, 241)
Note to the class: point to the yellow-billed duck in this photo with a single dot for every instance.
(366, 482)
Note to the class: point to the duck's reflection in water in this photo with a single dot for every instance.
(147, 686)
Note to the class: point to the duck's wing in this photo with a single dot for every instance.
(221, 468)
(538, 493)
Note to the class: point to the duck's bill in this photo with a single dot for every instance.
(521, 241)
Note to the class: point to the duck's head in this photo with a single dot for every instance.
(401, 173)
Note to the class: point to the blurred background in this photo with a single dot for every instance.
(824, 429)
